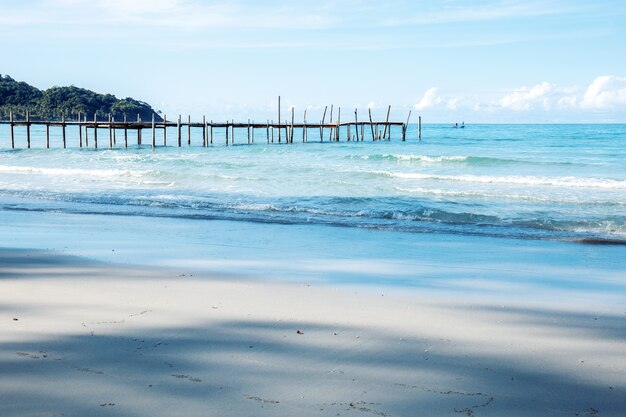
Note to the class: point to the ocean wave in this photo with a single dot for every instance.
(390, 213)
(420, 158)
(576, 199)
(100, 173)
(574, 182)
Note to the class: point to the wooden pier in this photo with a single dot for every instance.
(270, 131)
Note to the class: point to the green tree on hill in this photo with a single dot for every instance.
(19, 97)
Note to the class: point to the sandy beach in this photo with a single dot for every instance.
(79, 337)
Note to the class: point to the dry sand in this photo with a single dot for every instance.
(81, 338)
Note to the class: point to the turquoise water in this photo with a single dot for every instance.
(489, 209)
(548, 182)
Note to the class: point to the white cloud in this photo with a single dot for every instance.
(605, 92)
(453, 103)
(528, 98)
(429, 99)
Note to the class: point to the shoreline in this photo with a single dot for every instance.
(134, 340)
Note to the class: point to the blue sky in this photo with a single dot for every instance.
(451, 60)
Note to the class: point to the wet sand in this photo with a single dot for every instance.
(79, 337)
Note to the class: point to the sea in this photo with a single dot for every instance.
(489, 207)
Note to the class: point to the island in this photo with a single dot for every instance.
(19, 97)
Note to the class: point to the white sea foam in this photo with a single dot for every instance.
(513, 179)
(420, 158)
(100, 173)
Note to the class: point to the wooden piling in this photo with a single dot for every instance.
(165, 130)
(204, 130)
(248, 131)
(253, 132)
(330, 134)
(110, 131)
(80, 133)
(86, 132)
(12, 130)
(386, 121)
(356, 124)
(292, 122)
(28, 128)
(405, 127)
(95, 130)
(189, 130)
(211, 132)
(268, 131)
(278, 120)
(63, 127)
(178, 127)
(371, 124)
(125, 132)
(338, 122)
(153, 133)
(47, 135)
(114, 129)
(139, 131)
(419, 128)
(226, 132)
(304, 128)
(322, 125)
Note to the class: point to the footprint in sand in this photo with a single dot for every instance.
(187, 377)
(91, 371)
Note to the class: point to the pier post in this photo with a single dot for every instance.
(211, 132)
(268, 132)
(322, 125)
(330, 134)
(188, 130)
(278, 120)
(356, 124)
(110, 131)
(47, 135)
(204, 137)
(292, 121)
(248, 131)
(338, 123)
(386, 122)
(165, 130)
(253, 132)
(179, 132)
(349, 136)
(272, 131)
(419, 128)
(139, 130)
(80, 132)
(95, 130)
(63, 124)
(125, 131)
(153, 133)
(114, 139)
(28, 129)
(226, 132)
(371, 124)
(304, 128)
(406, 126)
(12, 131)
(86, 131)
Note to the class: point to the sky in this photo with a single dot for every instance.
(494, 61)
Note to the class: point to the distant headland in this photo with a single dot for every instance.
(19, 97)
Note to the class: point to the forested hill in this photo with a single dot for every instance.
(19, 97)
